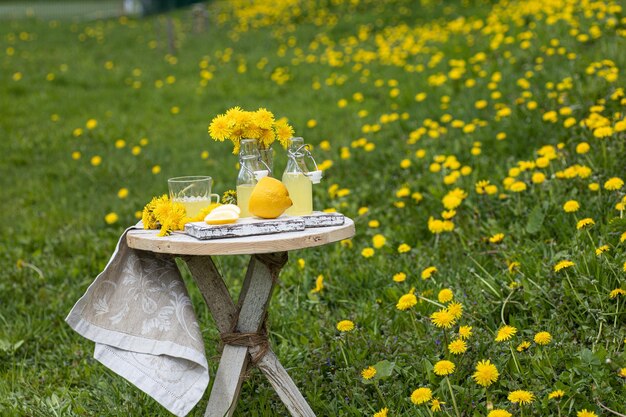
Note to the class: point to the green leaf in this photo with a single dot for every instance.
(535, 220)
(384, 369)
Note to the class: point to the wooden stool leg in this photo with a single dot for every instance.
(284, 385)
(252, 306)
(213, 289)
(253, 302)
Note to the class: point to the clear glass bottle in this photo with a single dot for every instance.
(297, 178)
(250, 171)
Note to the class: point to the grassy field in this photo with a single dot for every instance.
(478, 146)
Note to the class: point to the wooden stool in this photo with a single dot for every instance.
(269, 254)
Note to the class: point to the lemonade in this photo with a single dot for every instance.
(243, 197)
(300, 191)
(194, 205)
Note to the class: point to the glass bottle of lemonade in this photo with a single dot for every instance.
(298, 179)
(249, 173)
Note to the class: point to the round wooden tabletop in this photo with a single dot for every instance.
(181, 244)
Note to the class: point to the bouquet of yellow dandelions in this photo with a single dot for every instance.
(237, 124)
(168, 215)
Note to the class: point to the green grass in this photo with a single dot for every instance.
(54, 240)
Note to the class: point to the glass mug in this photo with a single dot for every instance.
(193, 192)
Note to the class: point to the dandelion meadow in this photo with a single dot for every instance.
(479, 146)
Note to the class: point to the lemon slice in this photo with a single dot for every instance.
(221, 217)
(228, 207)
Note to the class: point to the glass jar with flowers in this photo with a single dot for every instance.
(238, 124)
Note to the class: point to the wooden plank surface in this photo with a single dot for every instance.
(181, 244)
(244, 227)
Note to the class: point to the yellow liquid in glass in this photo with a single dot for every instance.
(243, 198)
(193, 206)
(301, 192)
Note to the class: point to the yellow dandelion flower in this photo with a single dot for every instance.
(284, 132)
(559, 393)
(435, 404)
(499, 413)
(96, 160)
(613, 184)
(442, 318)
(518, 187)
(622, 238)
(367, 252)
(345, 326)
(497, 238)
(586, 413)
(382, 413)
(458, 346)
(486, 373)
(465, 332)
(582, 148)
(571, 206)
(122, 193)
(456, 309)
(319, 284)
(616, 292)
(602, 249)
(368, 373)
(622, 372)
(445, 295)
(378, 241)
(91, 124)
(428, 272)
(399, 277)
(513, 267)
(505, 333)
(523, 346)
(443, 368)
(563, 265)
(111, 218)
(263, 118)
(421, 395)
(406, 301)
(403, 248)
(586, 222)
(521, 397)
(170, 215)
(543, 338)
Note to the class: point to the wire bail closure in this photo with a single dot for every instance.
(316, 175)
(256, 174)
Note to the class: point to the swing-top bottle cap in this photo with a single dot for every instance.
(315, 176)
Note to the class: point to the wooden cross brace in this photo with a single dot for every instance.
(250, 313)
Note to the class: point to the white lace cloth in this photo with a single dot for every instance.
(140, 316)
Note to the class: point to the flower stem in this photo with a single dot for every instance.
(515, 359)
(380, 394)
(343, 353)
(456, 409)
(414, 322)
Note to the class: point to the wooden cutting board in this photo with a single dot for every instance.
(252, 226)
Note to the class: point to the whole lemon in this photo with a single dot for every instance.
(269, 198)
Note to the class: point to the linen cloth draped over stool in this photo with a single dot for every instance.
(140, 316)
